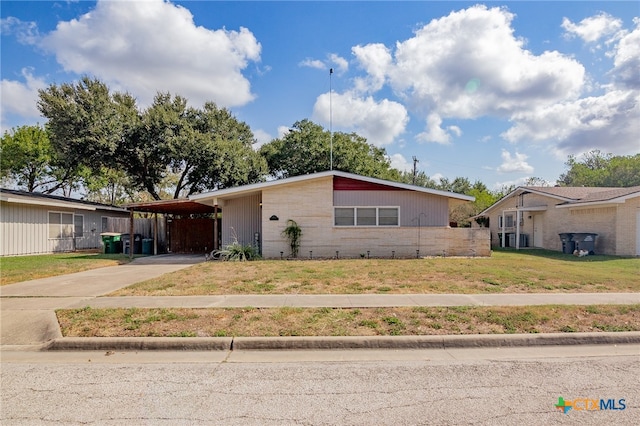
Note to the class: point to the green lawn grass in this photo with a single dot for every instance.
(506, 271)
(24, 268)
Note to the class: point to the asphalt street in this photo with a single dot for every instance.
(435, 387)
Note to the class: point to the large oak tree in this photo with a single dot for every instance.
(106, 133)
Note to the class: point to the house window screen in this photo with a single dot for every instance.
(344, 217)
(366, 216)
(60, 225)
(388, 217)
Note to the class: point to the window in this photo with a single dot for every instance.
(366, 216)
(508, 221)
(105, 224)
(388, 216)
(344, 217)
(61, 225)
(78, 226)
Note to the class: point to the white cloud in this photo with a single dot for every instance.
(333, 60)
(148, 46)
(516, 163)
(510, 183)
(380, 122)
(282, 131)
(627, 60)
(341, 63)
(469, 64)
(593, 28)
(399, 162)
(376, 60)
(20, 98)
(436, 133)
(466, 65)
(608, 122)
(313, 63)
(262, 137)
(25, 32)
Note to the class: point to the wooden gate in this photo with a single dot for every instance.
(190, 235)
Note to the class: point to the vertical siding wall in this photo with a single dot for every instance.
(92, 227)
(431, 209)
(315, 217)
(241, 219)
(24, 229)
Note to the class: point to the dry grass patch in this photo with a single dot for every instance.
(504, 272)
(287, 321)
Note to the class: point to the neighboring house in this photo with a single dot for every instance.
(344, 215)
(535, 216)
(32, 223)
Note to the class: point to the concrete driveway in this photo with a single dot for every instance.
(28, 316)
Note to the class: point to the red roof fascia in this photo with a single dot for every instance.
(346, 184)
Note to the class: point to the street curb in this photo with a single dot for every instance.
(339, 342)
(139, 344)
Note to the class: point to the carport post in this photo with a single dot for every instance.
(215, 228)
(155, 234)
(518, 215)
(503, 236)
(131, 234)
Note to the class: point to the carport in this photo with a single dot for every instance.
(183, 208)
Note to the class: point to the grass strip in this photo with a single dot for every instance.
(288, 321)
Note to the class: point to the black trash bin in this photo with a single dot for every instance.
(585, 241)
(137, 243)
(568, 245)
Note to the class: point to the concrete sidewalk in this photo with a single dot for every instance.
(27, 308)
(28, 317)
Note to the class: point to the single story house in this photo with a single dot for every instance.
(33, 223)
(536, 216)
(344, 215)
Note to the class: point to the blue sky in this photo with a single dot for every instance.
(493, 91)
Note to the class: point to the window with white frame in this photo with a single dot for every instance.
(508, 221)
(366, 216)
(61, 225)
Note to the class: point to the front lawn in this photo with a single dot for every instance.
(24, 268)
(531, 271)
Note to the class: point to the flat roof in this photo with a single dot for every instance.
(179, 207)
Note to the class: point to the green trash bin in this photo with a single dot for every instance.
(111, 242)
(147, 246)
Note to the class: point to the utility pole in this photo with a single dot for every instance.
(415, 168)
(330, 123)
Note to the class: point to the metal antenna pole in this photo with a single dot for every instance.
(330, 123)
